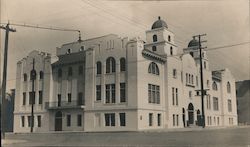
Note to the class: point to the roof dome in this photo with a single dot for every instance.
(193, 43)
(159, 24)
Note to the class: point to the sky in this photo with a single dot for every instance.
(226, 22)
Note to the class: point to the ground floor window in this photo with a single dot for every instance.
(159, 119)
(29, 121)
(79, 120)
(39, 121)
(150, 117)
(122, 119)
(110, 119)
(68, 120)
(173, 119)
(22, 121)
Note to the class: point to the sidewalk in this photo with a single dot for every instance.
(12, 141)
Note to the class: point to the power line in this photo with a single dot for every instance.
(226, 46)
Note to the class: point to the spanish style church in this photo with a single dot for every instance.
(110, 83)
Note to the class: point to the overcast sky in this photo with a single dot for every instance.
(225, 22)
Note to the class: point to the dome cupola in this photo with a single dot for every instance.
(193, 43)
(159, 24)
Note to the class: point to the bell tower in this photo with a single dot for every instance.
(160, 39)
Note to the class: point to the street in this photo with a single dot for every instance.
(225, 137)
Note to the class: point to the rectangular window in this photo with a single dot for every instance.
(109, 119)
(69, 97)
(68, 120)
(150, 117)
(173, 119)
(173, 99)
(181, 76)
(174, 73)
(122, 92)
(79, 120)
(176, 96)
(32, 98)
(197, 83)
(159, 119)
(40, 100)
(24, 98)
(208, 102)
(59, 98)
(98, 92)
(177, 120)
(229, 105)
(218, 121)
(153, 94)
(122, 119)
(186, 78)
(110, 93)
(215, 103)
(29, 121)
(39, 121)
(22, 121)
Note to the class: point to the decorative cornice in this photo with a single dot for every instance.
(153, 55)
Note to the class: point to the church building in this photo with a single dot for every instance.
(111, 83)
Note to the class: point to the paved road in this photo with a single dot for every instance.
(230, 137)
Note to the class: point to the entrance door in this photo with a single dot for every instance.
(199, 120)
(58, 121)
(190, 114)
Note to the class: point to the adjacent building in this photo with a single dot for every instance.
(243, 101)
(111, 83)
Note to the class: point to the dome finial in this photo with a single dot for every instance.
(159, 17)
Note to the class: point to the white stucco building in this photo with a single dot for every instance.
(110, 83)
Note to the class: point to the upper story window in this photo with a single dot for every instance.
(98, 67)
(171, 50)
(81, 49)
(228, 87)
(80, 70)
(41, 74)
(154, 48)
(154, 38)
(69, 51)
(123, 64)
(59, 73)
(174, 73)
(169, 38)
(214, 86)
(70, 71)
(205, 65)
(25, 77)
(110, 65)
(153, 68)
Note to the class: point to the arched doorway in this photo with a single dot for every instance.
(190, 114)
(183, 117)
(199, 121)
(58, 121)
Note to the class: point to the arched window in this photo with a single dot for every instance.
(169, 38)
(110, 65)
(123, 64)
(171, 50)
(41, 74)
(153, 68)
(25, 77)
(98, 67)
(154, 38)
(214, 86)
(70, 71)
(228, 87)
(69, 51)
(59, 73)
(154, 48)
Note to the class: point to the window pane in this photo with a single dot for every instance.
(122, 119)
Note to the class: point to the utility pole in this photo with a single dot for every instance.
(201, 79)
(33, 78)
(3, 92)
